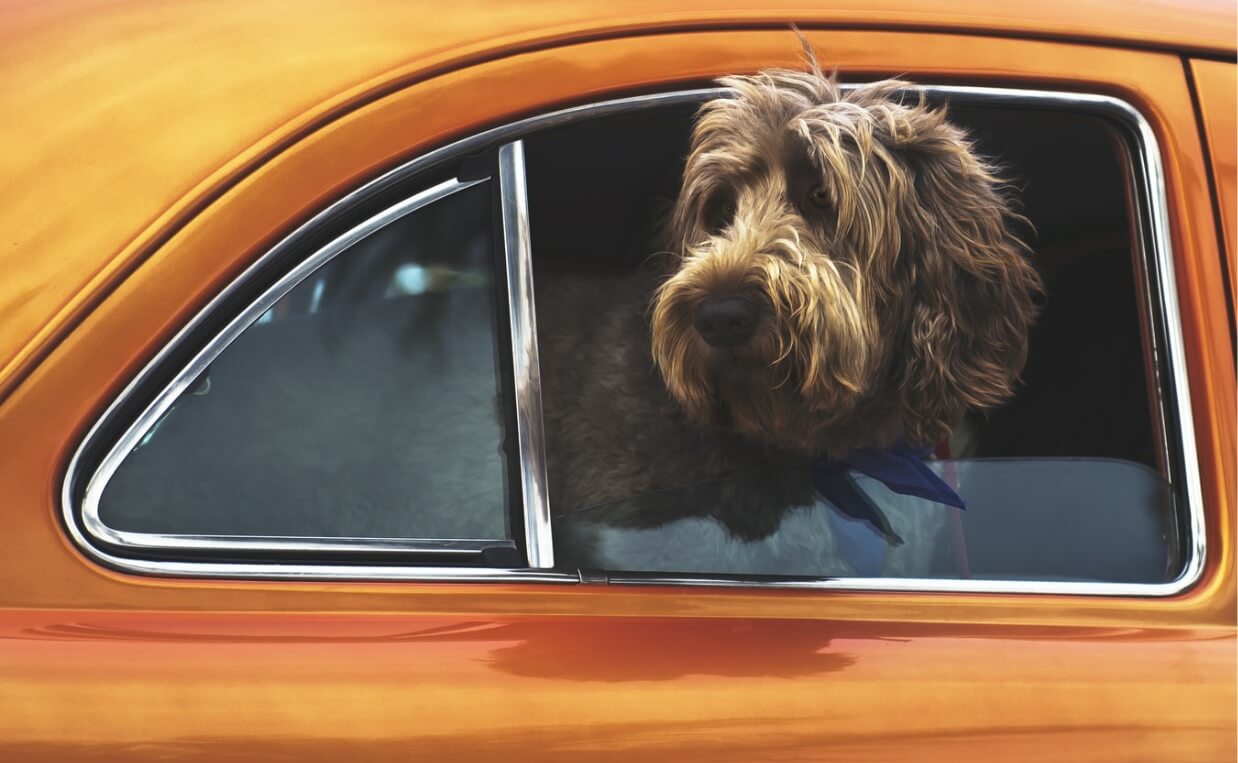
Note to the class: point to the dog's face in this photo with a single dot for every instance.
(842, 271)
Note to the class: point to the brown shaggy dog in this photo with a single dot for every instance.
(839, 275)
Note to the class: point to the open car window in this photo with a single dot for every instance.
(1069, 481)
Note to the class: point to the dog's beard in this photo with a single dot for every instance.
(806, 367)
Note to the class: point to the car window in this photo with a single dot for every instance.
(1067, 481)
(364, 403)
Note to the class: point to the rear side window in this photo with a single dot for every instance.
(366, 403)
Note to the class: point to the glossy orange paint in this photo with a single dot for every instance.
(257, 688)
(99, 665)
(1217, 85)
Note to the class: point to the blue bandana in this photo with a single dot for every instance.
(864, 532)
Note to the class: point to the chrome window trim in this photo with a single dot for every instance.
(517, 251)
(1151, 209)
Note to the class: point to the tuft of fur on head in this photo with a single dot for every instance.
(873, 241)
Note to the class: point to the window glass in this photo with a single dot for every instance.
(365, 403)
(1026, 519)
(1065, 482)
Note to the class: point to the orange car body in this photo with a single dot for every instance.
(151, 151)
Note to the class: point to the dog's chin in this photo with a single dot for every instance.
(753, 400)
(764, 403)
(753, 392)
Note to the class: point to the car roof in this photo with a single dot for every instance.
(118, 114)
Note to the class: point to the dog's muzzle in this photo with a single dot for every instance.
(726, 321)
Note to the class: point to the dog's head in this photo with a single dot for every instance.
(843, 273)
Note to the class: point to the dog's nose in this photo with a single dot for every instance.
(726, 321)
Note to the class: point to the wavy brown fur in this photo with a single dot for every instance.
(892, 299)
(893, 295)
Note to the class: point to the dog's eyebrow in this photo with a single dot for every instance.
(722, 167)
(831, 144)
(723, 143)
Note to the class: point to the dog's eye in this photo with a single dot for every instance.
(818, 197)
(719, 214)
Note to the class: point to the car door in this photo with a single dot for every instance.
(174, 634)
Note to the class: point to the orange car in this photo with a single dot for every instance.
(274, 481)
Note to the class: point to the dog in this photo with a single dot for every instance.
(838, 275)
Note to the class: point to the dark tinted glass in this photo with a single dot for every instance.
(364, 403)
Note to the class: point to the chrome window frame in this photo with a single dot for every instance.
(1175, 424)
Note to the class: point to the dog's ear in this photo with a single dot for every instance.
(970, 286)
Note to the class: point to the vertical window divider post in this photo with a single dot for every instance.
(525, 368)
